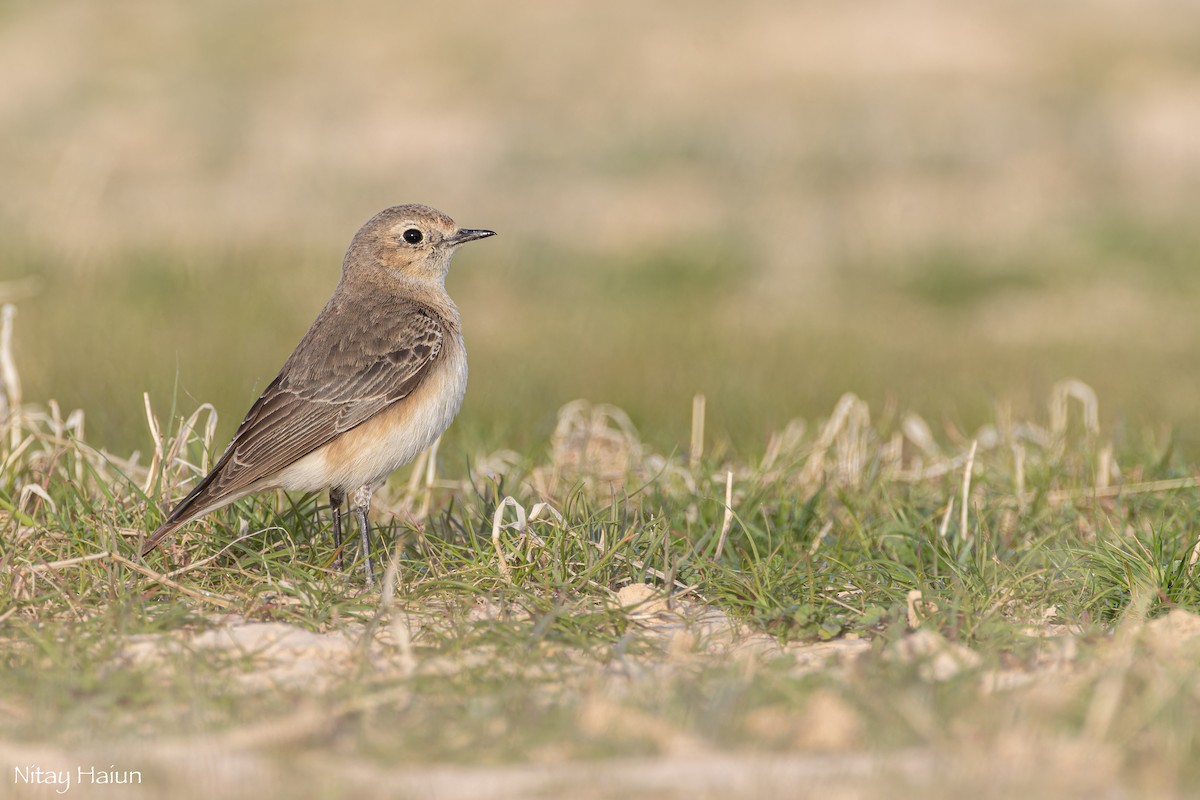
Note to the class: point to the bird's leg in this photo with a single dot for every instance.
(336, 496)
(362, 504)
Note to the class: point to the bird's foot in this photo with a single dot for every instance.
(362, 505)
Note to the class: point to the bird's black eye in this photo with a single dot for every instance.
(413, 236)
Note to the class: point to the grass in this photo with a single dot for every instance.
(634, 614)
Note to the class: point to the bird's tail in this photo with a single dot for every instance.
(200, 501)
(160, 533)
(186, 510)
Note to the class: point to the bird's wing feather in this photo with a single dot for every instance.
(361, 370)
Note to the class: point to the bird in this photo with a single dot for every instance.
(377, 378)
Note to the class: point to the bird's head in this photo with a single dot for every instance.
(410, 241)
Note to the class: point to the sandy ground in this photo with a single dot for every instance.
(825, 757)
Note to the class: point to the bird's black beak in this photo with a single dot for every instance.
(469, 235)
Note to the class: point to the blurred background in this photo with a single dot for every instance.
(941, 205)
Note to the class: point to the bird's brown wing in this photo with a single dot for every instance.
(338, 377)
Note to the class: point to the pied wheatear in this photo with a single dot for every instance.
(377, 378)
